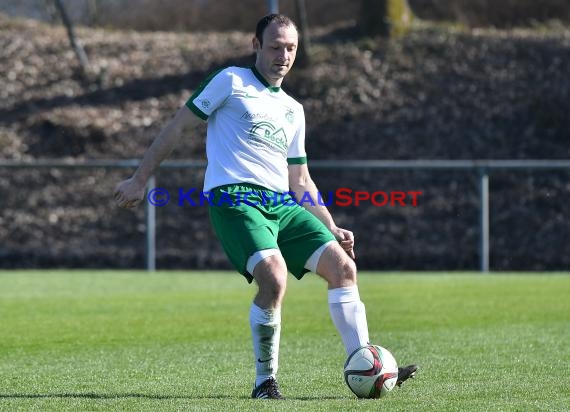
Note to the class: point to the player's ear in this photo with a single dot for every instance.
(256, 44)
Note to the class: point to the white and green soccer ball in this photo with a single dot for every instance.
(371, 371)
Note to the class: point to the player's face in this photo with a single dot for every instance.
(277, 53)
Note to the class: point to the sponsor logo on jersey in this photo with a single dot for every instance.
(266, 134)
(257, 116)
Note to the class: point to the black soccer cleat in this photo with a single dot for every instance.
(406, 373)
(269, 389)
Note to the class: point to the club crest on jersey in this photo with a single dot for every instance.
(290, 115)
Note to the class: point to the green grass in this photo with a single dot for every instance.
(180, 341)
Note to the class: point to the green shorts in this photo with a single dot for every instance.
(249, 218)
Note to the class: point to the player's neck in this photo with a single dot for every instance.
(265, 79)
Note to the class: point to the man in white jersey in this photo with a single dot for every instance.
(256, 155)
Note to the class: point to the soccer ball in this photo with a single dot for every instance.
(371, 371)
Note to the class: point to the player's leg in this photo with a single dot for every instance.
(346, 309)
(270, 274)
(307, 245)
(249, 239)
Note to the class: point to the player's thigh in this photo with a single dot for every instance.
(300, 235)
(242, 231)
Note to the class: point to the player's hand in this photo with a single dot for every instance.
(346, 240)
(129, 193)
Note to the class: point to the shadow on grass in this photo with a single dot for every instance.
(102, 396)
(90, 395)
(317, 398)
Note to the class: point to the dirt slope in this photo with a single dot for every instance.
(438, 93)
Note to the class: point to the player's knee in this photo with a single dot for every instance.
(277, 288)
(337, 268)
(344, 274)
(271, 278)
(272, 291)
(347, 272)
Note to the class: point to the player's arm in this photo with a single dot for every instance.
(130, 192)
(301, 183)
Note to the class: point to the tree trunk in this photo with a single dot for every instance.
(272, 6)
(93, 12)
(77, 48)
(387, 18)
(304, 54)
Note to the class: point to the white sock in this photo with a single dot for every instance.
(349, 317)
(266, 332)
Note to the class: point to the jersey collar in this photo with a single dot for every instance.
(273, 89)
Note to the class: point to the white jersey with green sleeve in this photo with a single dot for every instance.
(254, 130)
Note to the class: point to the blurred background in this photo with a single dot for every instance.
(227, 15)
(429, 80)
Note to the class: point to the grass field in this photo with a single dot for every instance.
(180, 341)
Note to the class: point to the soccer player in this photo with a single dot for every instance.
(256, 154)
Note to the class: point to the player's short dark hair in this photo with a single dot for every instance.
(280, 19)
